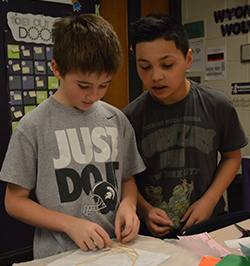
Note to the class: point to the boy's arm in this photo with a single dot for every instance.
(83, 232)
(126, 222)
(156, 219)
(226, 172)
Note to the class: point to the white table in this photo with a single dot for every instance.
(178, 255)
(228, 233)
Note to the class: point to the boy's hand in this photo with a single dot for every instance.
(88, 235)
(158, 222)
(126, 223)
(199, 211)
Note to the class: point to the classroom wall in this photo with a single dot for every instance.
(236, 71)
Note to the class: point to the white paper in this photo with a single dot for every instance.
(216, 61)
(234, 243)
(31, 28)
(145, 258)
(197, 47)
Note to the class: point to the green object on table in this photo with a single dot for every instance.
(234, 260)
(245, 250)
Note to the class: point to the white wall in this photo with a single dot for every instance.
(237, 72)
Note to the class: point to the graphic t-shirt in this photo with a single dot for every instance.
(75, 160)
(179, 144)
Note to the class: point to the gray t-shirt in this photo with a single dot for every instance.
(75, 160)
(179, 144)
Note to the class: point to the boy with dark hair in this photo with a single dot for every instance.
(77, 152)
(180, 127)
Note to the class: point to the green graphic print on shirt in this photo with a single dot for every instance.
(178, 203)
(163, 146)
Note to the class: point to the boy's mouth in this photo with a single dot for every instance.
(159, 88)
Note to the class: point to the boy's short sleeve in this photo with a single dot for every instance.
(133, 163)
(19, 166)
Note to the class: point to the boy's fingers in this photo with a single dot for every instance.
(83, 246)
(107, 242)
(90, 243)
(126, 226)
(99, 242)
(131, 230)
(118, 229)
(186, 215)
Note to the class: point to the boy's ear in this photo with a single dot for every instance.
(55, 69)
(189, 58)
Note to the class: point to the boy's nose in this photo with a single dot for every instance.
(157, 75)
(92, 95)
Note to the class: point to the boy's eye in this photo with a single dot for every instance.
(167, 66)
(83, 87)
(104, 86)
(145, 67)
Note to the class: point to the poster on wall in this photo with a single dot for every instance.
(29, 51)
(216, 63)
(197, 47)
(241, 88)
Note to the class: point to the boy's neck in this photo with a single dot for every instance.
(59, 96)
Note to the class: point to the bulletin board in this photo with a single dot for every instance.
(14, 105)
(29, 51)
(30, 79)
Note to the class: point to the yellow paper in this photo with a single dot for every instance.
(16, 67)
(40, 68)
(26, 53)
(41, 96)
(17, 97)
(26, 70)
(38, 50)
(54, 85)
(39, 83)
(18, 114)
(15, 49)
(32, 94)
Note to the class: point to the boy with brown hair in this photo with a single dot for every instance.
(78, 152)
(180, 128)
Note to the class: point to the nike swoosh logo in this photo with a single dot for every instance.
(109, 117)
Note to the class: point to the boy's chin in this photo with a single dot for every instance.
(157, 98)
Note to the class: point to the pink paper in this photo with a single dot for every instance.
(209, 241)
